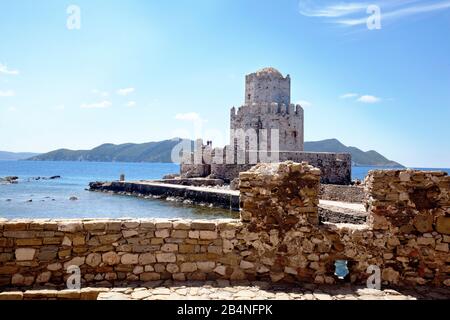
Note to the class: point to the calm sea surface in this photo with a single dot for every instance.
(50, 198)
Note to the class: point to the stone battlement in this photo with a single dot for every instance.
(278, 238)
(264, 109)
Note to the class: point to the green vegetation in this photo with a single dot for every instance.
(161, 152)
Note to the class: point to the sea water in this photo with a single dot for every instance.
(32, 198)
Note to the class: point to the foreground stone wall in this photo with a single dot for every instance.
(407, 237)
(111, 251)
(277, 239)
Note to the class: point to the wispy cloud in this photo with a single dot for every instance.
(5, 70)
(100, 93)
(369, 99)
(7, 93)
(356, 13)
(348, 95)
(310, 9)
(131, 104)
(361, 98)
(98, 105)
(60, 107)
(125, 92)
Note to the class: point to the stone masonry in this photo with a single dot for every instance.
(277, 239)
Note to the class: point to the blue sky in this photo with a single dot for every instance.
(140, 71)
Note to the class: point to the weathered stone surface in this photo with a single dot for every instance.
(129, 233)
(54, 266)
(11, 295)
(147, 258)
(163, 233)
(166, 257)
(130, 259)
(94, 259)
(206, 266)
(443, 225)
(44, 277)
(25, 254)
(424, 223)
(111, 258)
(77, 261)
(149, 276)
(188, 267)
(70, 227)
(208, 235)
(169, 247)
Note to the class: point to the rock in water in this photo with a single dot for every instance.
(73, 198)
(9, 180)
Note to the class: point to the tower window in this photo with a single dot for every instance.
(294, 134)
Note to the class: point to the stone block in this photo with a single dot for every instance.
(181, 225)
(162, 233)
(130, 258)
(25, 254)
(70, 227)
(443, 225)
(169, 247)
(203, 225)
(180, 234)
(11, 295)
(29, 242)
(147, 258)
(206, 266)
(208, 235)
(188, 267)
(149, 276)
(166, 257)
(111, 258)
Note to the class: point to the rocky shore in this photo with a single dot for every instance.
(15, 179)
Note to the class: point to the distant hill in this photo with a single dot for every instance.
(359, 157)
(161, 152)
(129, 152)
(13, 156)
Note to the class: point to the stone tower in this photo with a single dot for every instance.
(268, 106)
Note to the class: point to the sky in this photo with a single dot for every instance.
(77, 74)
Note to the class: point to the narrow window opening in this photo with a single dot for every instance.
(341, 269)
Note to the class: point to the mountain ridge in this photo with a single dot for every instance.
(13, 156)
(160, 151)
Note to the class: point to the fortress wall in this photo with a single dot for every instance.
(228, 172)
(195, 170)
(336, 168)
(335, 192)
(278, 237)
